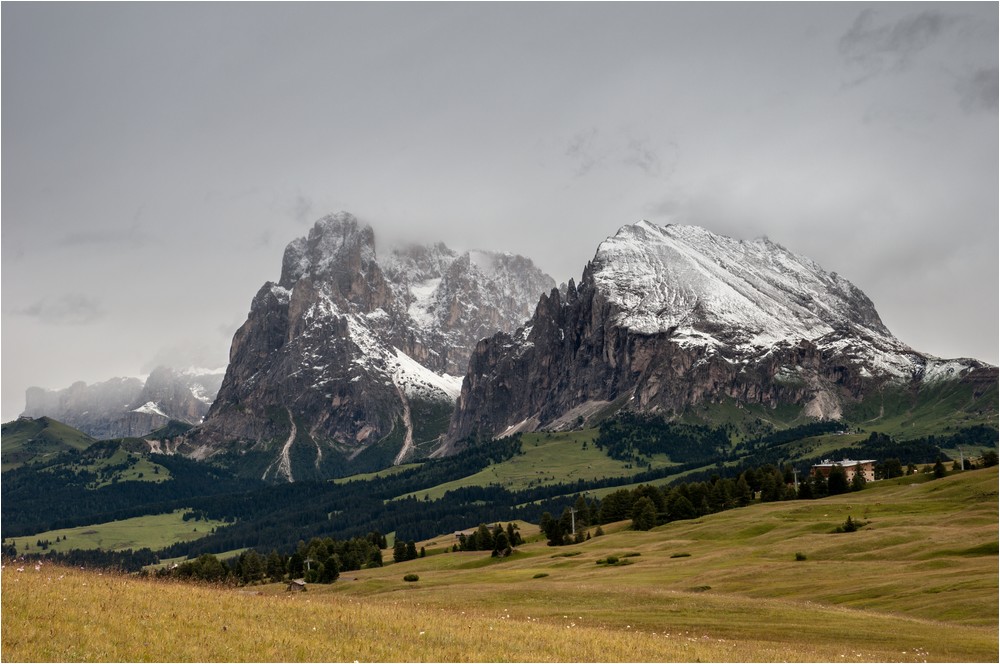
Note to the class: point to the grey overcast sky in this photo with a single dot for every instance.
(158, 157)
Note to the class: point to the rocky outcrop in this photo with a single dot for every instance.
(667, 318)
(351, 357)
(453, 300)
(181, 395)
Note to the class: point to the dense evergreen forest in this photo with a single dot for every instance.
(57, 493)
(633, 436)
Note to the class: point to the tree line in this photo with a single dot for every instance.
(636, 437)
(649, 505)
(320, 560)
(499, 541)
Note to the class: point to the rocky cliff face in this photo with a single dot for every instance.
(353, 358)
(128, 406)
(668, 317)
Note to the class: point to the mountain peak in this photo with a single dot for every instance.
(688, 279)
(335, 243)
(669, 317)
(354, 350)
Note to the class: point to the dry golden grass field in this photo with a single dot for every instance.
(918, 583)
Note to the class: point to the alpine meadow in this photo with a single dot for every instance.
(500, 332)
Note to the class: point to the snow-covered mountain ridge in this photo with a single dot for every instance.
(664, 278)
(746, 297)
(666, 318)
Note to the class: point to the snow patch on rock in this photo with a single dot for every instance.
(937, 369)
(419, 381)
(149, 408)
(421, 308)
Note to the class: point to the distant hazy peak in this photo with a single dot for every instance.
(105, 409)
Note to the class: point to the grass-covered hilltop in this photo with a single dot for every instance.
(915, 581)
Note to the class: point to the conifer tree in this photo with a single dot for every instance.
(582, 512)
(744, 494)
(836, 482)
(643, 514)
(484, 539)
(939, 469)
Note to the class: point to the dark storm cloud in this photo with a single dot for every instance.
(593, 149)
(583, 151)
(875, 48)
(302, 209)
(264, 239)
(69, 309)
(640, 154)
(978, 91)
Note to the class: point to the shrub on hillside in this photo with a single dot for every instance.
(850, 525)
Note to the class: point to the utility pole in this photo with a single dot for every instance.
(572, 515)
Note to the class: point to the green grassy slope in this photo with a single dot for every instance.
(361, 477)
(746, 420)
(548, 458)
(121, 465)
(897, 410)
(154, 531)
(917, 583)
(925, 564)
(565, 457)
(25, 440)
(935, 409)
